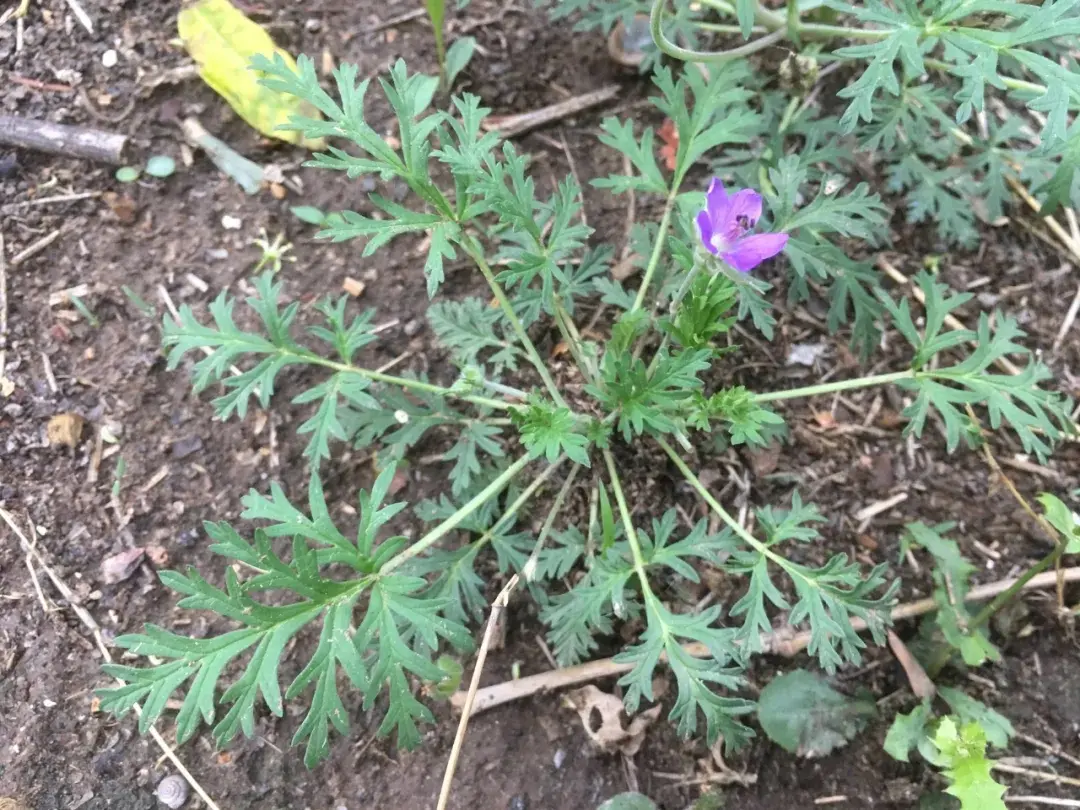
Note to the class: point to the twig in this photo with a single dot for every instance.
(95, 629)
(1053, 224)
(1001, 362)
(781, 642)
(408, 16)
(1042, 800)
(510, 125)
(497, 607)
(1041, 775)
(35, 248)
(1066, 324)
(81, 15)
(3, 309)
(1050, 749)
(11, 208)
(62, 139)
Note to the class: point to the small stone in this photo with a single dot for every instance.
(353, 287)
(182, 448)
(520, 802)
(559, 758)
(119, 567)
(312, 24)
(110, 58)
(413, 326)
(65, 428)
(231, 223)
(217, 254)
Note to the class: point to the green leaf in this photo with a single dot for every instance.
(458, 56)
(475, 437)
(309, 214)
(1063, 519)
(474, 332)
(549, 431)
(907, 731)
(802, 714)
(619, 135)
(628, 801)
(962, 755)
(995, 726)
(664, 635)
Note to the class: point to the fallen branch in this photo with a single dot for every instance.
(781, 642)
(510, 125)
(61, 139)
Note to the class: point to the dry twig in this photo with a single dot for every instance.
(781, 642)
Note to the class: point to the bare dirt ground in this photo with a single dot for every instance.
(182, 468)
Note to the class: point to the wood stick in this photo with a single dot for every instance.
(782, 642)
(510, 125)
(61, 139)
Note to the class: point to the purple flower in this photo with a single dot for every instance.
(725, 224)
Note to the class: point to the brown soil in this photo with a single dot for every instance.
(182, 468)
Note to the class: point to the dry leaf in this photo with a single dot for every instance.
(353, 287)
(560, 348)
(122, 206)
(825, 420)
(920, 682)
(120, 566)
(222, 40)
(669, 149)
(65, 428)
(602, 715)
(159, 555)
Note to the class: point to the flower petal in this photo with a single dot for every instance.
(705, 230)
(717, 203)
(744, 210)
(750, 251)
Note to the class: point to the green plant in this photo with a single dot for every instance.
(517, 431)
(453, 60)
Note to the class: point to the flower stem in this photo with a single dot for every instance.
(840, 385)
(452, 522)
(508, 310)
(508, 515)
(658, 250)
(572, 338)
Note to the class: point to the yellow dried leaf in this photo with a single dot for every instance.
(222, 41)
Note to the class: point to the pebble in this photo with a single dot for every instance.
(518, 803)
(312, 24)
(559, 758)
(231, 223)
(110, 58)
(182, 448)
(413, 326)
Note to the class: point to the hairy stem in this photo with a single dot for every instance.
(403, 382)
(628, 524)
(529, 569)
(452, 522)
(658, 250)
(572, 338)
(508, 310)
(721, 512)
(507, 516)
(839, 385)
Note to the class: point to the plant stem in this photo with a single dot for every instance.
(658, 250)
(680, 294)
(688, 55)
(572, 338)
(529, 569)
(628, 524)
(508, 310)
(455, 519)
(508, 515)
(840, 385)
(403, 382)
(721, 512)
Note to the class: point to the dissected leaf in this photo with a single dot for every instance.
(962, 755)
(222, 40)
(628, 801)
(801, 713)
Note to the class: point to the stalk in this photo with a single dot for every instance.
(840, 385)
(452, 522)
(628, 524)
(515, 323)
(658, 249)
